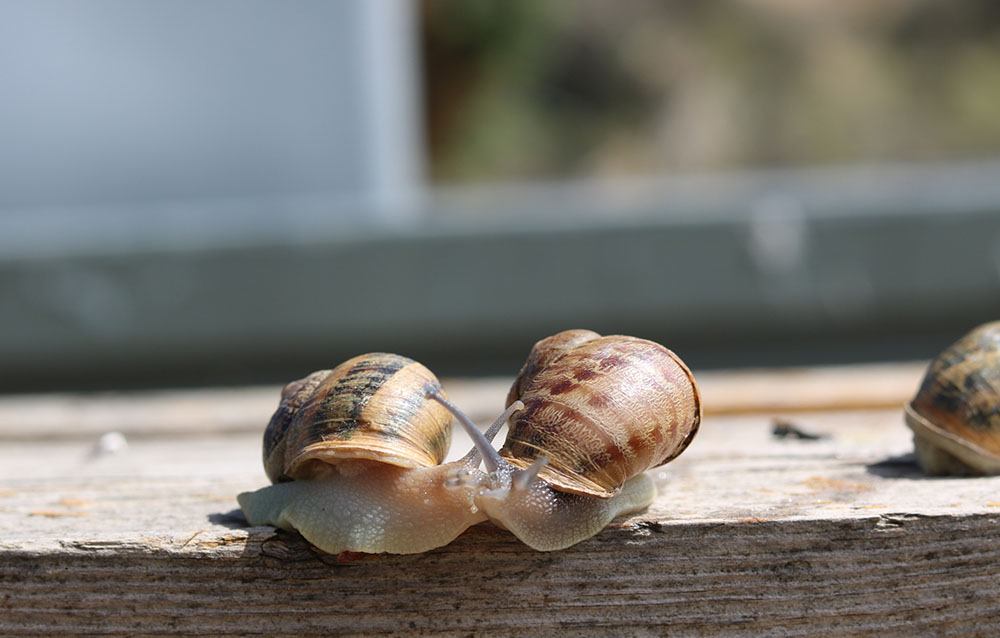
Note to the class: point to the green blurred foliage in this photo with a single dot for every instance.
(554, 88)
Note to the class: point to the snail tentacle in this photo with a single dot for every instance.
(523, 478)
(482, 442)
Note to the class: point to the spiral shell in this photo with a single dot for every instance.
(957, 409)
(601, 410)
(372, 407)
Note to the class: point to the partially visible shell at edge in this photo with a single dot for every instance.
(955, 416)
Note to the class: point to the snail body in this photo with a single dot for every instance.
(378, 509)
(955, 415)
(355, 457)
(598, 412)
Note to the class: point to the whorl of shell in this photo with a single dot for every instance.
(543, 353)
(373, 407)
(602, 410)
(960, 395)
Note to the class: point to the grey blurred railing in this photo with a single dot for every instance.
(768, 268)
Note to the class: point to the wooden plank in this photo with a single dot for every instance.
(63, 415)
(751, 534)
(850, 387)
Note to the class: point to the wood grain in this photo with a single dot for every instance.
(890, 575)
(36, 416)
(750, 535)
(849, 387)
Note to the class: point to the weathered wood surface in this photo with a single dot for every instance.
(32, 417)
(751, 534)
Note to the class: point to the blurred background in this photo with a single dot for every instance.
(220, 192)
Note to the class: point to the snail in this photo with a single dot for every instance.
(597, 413)
(955, 416)
(355, 457)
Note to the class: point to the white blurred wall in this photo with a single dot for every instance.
(131, 102)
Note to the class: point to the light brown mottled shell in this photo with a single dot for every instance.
(955, 415)
(543, 353)
(602, 410)
(373, 407)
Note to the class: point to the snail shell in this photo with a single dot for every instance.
(354, 455)
(374, 406)
(601, 410)
(593, 414)
(955, 416)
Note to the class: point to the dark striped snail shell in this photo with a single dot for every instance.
(374, 406)
(955, 416)
(354, 455)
